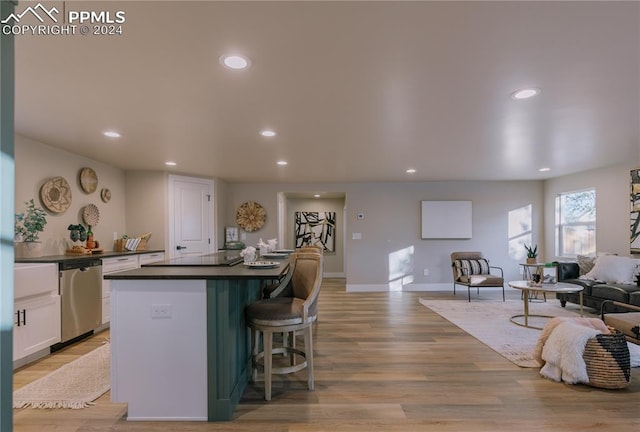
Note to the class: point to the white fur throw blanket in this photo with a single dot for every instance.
(561, 345)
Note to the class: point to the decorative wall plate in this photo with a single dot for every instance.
(105, 194)
(251, 216)
(55, 195)
(91, 214)
(88, 180)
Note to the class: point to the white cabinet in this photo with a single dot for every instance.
(112, 265)
(149, 258)
(36, 325)
(36, 314)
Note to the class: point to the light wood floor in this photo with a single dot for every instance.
(383, 363)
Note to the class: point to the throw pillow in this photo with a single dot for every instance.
(585, 263)
(472, 267)
(613, 269)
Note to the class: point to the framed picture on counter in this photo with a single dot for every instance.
(231, 234)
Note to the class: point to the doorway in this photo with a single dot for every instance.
(191, 221)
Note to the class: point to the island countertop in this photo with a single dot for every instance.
(200, 272)
(202, 267)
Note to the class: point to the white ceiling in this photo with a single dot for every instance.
(357, 91)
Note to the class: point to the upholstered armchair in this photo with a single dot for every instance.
(472, 270)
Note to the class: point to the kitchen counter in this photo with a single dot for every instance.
(197, 268)
(224, 258)
(180, 346)
(65, 258)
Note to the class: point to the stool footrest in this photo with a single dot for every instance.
(285, 369)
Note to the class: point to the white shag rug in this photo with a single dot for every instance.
(75, 385)
(488, 321)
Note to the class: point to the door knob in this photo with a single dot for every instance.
(181, 247)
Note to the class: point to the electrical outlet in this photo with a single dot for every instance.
(160, 311)
(426, 272)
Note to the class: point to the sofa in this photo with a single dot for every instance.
(614, 291)
(615, 280)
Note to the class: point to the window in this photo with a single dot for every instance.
(576, 223)
(519, 231)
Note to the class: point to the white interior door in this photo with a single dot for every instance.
(191, 216)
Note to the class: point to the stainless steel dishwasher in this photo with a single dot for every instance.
(80, 297)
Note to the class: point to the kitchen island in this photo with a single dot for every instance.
(181, 349)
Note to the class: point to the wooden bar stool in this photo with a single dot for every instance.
(284, 315)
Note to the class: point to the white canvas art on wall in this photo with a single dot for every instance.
(446, 219)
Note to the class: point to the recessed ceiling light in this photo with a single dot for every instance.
(411, 171)
(170, 163)
(316, 196)
(282, 162)
(525, 93)
(236, 62)
(267, 133)
(111, 134)
(545, 169)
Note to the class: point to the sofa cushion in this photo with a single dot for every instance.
(586, 263)
(616, 292)
(585, 283)
(634, 297)
(482, 280)
(613, 269)
(567, 270)
(468, 267)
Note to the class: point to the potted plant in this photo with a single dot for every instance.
(28, 226)
(532, 253)
(77, 233)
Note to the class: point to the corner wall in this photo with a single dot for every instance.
(37, 162)
(612, 185)
(146, 206)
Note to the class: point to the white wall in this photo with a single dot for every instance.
(146, 204)
(612, 185)
(392, 225)
(392, 213)
(37, 162)
(221, 203)
(147, 195)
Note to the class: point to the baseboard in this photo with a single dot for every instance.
(31, 358)
(333, 275)
(396, 287)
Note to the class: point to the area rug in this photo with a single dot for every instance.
(75, 385)
(488, 321)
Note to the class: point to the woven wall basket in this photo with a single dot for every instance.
(607, 360)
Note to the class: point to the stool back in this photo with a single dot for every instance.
(306, 280)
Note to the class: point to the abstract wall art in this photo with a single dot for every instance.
(316, 228)
(635, 211)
